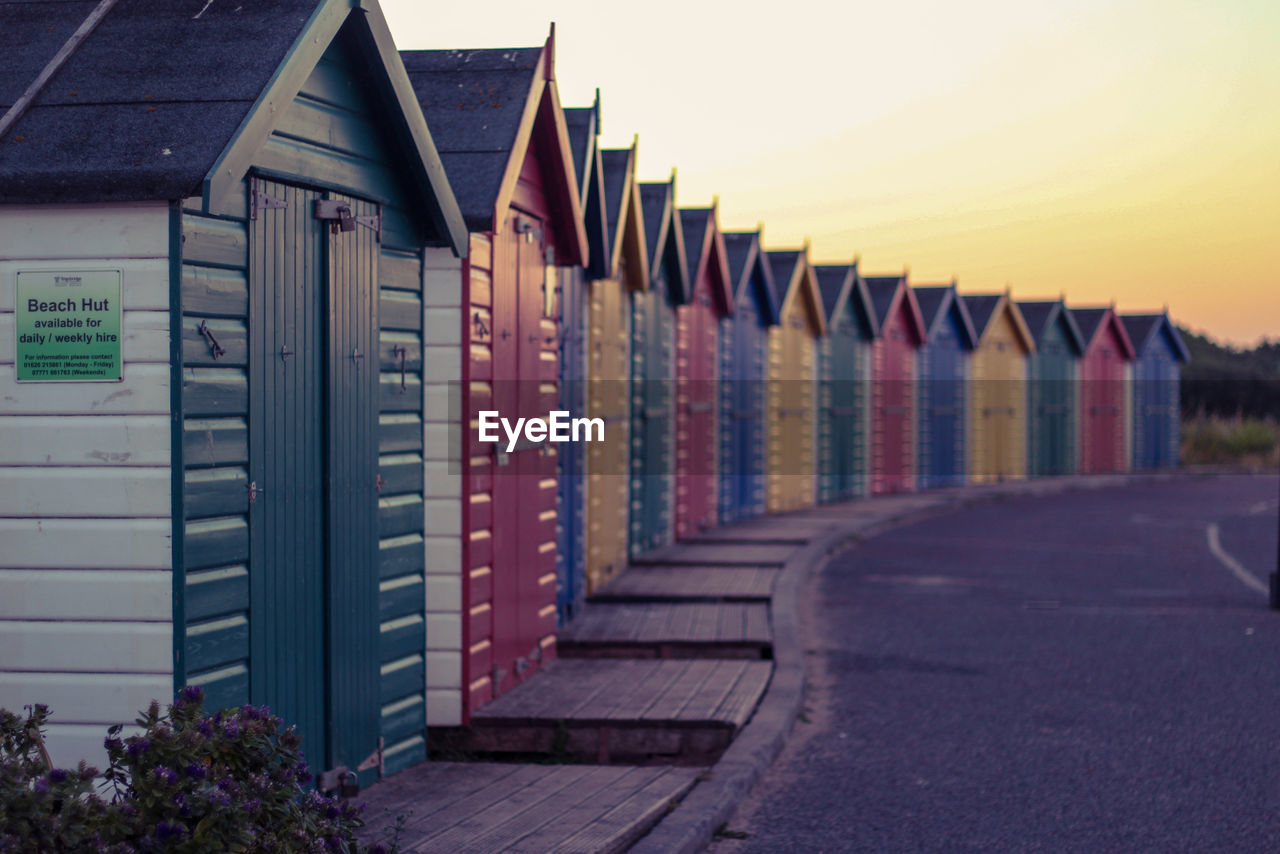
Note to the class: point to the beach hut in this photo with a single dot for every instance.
(943, 384)
(219, 480)
(844, 382)
(491, 515)
(697, 370)
(653, 369)
(1155, 379)
(1053, 388)
(900, 333)
(609, 365)
(583, 126)
(792, 392)
(998, 389)
(744, 374)
(1104, 425)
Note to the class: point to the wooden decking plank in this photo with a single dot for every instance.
(558, 690)
(506, 822)
(706, 622)
(756, 625)
(742, 554)
(617, 702)
(576, 817)
(656, 617)
(668, 704)
(670, 583)
(429, 787)
(476, 801)
(733, 617)
(640, 701)
(619, 828)
(712, 692)
(738, 705)
(681, 623)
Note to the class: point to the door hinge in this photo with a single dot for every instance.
(260, 200)
(340, 218)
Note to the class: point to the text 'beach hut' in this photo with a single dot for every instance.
(1053, 388)
(1155, 383)
(698, 370)
(844, 383)
(792, 396)
(230, 492)
(498, 124)
(744, 377)
(653, 370)
(998, 389)
(1104, 403)
(943, 377)
(900, 333)
(609, 366)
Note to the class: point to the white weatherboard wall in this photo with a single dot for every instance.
(86, 606)
(441, 412)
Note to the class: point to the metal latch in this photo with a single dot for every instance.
(347, 782)
(340, 218)
(214, 347)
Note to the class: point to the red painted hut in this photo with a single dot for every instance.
(496, 118)
(697, 370)
(900, 333)
(1103, 419)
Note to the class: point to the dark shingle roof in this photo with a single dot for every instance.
(581, 124)
(831, 280)
(982, 308)
(135, 112)
(882, 289)
(474, 101)
(1140, 327)
(693, 225)
(655, 203)
(616, 163)
(1038, 314)
(1088, 320)
(782, 265)
(739, 246)
(931, 299)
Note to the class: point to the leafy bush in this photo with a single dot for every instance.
(1216, 441)
(189, 783)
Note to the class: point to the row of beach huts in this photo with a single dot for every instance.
(333, 256)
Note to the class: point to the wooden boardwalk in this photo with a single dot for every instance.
(682, 711)
(690, 583)
(669, 630)
(451, 808)
(777, 531)
(718, 554)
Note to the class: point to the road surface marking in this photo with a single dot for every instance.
(1263, 506)
(1247, 577)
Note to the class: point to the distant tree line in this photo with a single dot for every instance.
(1225, 382)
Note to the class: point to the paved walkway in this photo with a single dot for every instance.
(665, 667)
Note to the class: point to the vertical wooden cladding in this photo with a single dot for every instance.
(893, 380)
(1104, 423)
(1052, 390)
(943, 368)
(998, 414)
(744, 379)
(697, 372)
(793, 345)
(1156, 378)
(844, 362)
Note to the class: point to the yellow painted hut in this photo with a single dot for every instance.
(998, 394)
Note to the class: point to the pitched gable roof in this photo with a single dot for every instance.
(1041, 315)
(984, 308)
(486, 108)
(793, 274)
(838, 285)
(663, 234)
(705, 254)
(624, 216)
(163, 127)
(936, 302)
(583, 124)
(1093, 320)
(886, 293)
(1143, 329)
(748, 265)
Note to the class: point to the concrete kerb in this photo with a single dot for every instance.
(691, 826)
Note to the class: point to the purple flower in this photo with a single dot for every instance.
(225, 784)
(193, 693)
(165, 830)
(231, 730)
(166, 775)
(112, 743)
(139, 747)
(377, 848)
(57, 775)
(205, 728)
(42, 786)
(252, 804)
(195, 771)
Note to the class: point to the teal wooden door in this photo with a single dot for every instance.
(313, 471)
(652, 381)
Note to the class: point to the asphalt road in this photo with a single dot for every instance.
(1077, 672)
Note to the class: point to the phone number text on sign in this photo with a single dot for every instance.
(68, 326)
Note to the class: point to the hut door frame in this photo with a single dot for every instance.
(313, 416)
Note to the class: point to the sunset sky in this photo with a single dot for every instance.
(1122, 150)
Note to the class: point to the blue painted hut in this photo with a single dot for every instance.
(1053, 388)
(844, 383)
(744, 374)
(241, 506)
(1156, 388)
(942, 370)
